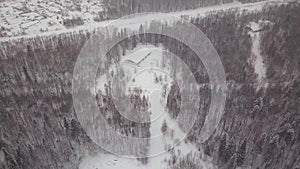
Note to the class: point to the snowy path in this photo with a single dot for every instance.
(169, 138)
(134, 23)
(257, 59)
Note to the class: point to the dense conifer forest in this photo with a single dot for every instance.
(260, 127)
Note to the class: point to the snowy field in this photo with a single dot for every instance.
(145, 64)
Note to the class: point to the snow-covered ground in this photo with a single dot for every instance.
(160, 161)
(140, 63)
(27, 17)
(105, 161)
(256, 57)
(145, 68)
(17, 24)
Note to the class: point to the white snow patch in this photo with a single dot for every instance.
(257, 58)
(107, 161)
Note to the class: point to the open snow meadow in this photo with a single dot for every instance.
(148, 72)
